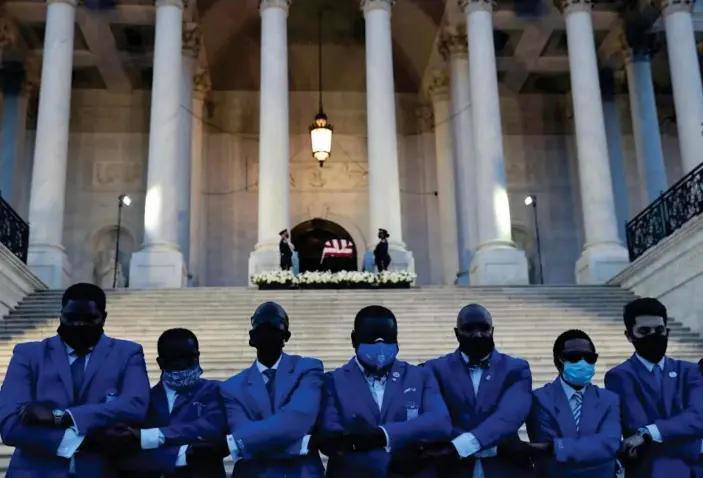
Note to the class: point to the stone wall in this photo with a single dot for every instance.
(16, 281)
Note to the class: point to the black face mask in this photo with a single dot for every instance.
(267, 339)
(80, 337)
(476, 348)
(652, 347)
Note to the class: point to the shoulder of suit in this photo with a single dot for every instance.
(234, 382)
(436, 361)
(618, 369)
(515, 362)
(306, 363)
(27, 348)
(607, 395)
(127, 345)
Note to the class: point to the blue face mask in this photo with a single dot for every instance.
(179, 380)
(377, 357)
(579, 373)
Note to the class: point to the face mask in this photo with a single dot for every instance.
(377, 357)
(80, 337)
(182, 379)
(651, 347)
(267, 339)
(578, 374)
(476, 347)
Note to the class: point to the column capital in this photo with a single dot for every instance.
(439, 86)
(202, 83)
(368, 5)
(453, 42)
(671, 6)
(425, 119)
(570, 6)
(191, 39)
(282, 4)
(477, 5)
(182, 4)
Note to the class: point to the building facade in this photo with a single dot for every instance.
(446, 115)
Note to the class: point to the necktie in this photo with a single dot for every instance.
(482, 364)
(77, 373)
(270, 374)
(576, 403)
(657, 371)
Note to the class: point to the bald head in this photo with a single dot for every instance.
(472, 315)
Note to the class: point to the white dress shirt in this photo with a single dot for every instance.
(152, 438)
(377, 387)
(72, 438)
(231, 443)
(467, 444)
(653, 429)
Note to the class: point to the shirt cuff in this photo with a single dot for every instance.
(487, 453)
(151, 438)
(75, 425)
(69, 443)
(181, 459)
(466, 444)
(304, 445)
(654, 431)
(233, 448)
(388, 440)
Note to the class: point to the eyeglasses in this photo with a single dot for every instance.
(577, 355)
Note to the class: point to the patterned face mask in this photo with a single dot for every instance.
(179, 380)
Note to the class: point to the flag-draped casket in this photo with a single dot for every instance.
(338, 248)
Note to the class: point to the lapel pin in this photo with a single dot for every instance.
(396, 375)
(672, 374)
(488, 377)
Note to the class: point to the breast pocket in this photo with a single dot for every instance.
(412, 402)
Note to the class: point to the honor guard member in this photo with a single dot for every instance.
(184, 432)
(273, 405)
(488, 394)
(286, 251)
(380, 253)
(377, 410)
(65, 387)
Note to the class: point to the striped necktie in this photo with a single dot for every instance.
(576, 403)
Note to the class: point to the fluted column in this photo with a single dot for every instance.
(444, 150)
(384, 179)
(47, 257)
(454, 49)
(159, 262)
(496, 260)
(685, 79)
(274, 136)
(603, 255)
(645, 120)
(198, 224)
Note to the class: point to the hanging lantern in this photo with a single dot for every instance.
(321, 138)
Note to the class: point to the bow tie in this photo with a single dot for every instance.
(483, 364)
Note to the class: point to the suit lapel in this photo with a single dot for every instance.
(183, 398)
(591, 412)
(97, 359)
(669, 382)
(257, 389)
(461, 378)
(285, 379)
(59, 357)
(490, 382)
(393, 383)
(160, 404)
(646, 378)
(562, 410)
(358, 382)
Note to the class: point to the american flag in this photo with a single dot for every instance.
(338, 248)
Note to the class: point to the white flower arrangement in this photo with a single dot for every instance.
(274, 277)
(396, 277)
(313, 278)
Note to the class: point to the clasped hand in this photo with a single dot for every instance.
(631, 446)
(38, 414)
(114, 441)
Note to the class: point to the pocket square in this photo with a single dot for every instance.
(408, 390)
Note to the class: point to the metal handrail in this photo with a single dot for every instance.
(14, 231)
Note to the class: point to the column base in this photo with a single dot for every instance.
(463, 276)
(599, 264)
(499, 265)
(159, 266)
(264, 259)
(50, 264)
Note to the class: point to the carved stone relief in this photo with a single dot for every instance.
(334, 177)
(116, 174)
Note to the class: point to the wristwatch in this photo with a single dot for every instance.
(644, 433)
(58, 417)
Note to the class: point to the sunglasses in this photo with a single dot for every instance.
(577, 356)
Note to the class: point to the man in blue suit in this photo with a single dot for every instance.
(63, 388)
(273, 405)
(489, 395)
(661, 399)
(378, 411)
(184, 433)
(574, 425)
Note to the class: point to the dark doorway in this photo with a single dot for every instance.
(309, 239)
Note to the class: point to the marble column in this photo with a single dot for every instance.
(159, 262)
(47, 257)
(274, 137)
(191, 50)
(496, 261)
(444, 152)
(454, 49)
(685, 79)
(645, 121)
(198, 224)
(603, 255)
(384, 178)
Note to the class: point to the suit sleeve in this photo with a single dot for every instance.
(278, 431)
(432, 425)
(159, 460)
(130, 406)
(18, 390)
(210, 427)
(511, 412)
(329, 423)
(687, 425)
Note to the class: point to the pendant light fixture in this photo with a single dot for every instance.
(321, 130)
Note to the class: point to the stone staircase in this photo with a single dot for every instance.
(526, 319)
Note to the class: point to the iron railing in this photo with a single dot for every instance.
(14, 231)
(669, 212)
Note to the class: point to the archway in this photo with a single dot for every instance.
(309, 239)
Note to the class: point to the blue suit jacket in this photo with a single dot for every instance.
(115, 390)
(270, 441)
(412, 413)
(676, 409)
(501, 407)
(588, 452)
(197, 417)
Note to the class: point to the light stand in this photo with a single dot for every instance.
(531, 200)
(123, 200)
